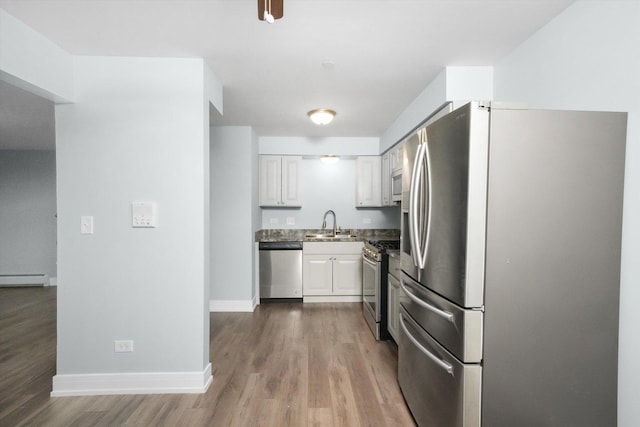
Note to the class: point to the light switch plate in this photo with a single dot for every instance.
(144, 215)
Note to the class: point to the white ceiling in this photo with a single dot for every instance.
(382, 53)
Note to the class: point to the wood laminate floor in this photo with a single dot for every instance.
(283, 365)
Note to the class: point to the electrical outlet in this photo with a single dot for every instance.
(86, 224)
(123, 346)
(366, 220)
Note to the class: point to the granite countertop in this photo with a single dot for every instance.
(300, 235)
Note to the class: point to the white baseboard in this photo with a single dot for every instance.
(332, 298)
(24, 279)
(248, 305)
(132, 383)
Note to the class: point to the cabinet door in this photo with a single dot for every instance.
(368, 181)
(291, 180)
(394, 307)
(393, 159)
(316, 275)
(270, 180)
(396, 158)
(386, 180)
(347, 275)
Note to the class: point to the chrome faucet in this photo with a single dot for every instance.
(324, 221)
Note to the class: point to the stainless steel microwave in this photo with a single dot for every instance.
(396, 186)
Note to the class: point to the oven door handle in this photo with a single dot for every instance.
(441, 363)
(368, 261)
(449, 316)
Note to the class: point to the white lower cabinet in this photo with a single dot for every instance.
(393, 321)
(332, 269)
(347, 274)
(317, 275)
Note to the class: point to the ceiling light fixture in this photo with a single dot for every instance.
(321, 116)
(329, 159)
(270, 10)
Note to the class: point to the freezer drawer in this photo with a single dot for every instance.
(439, 389)
(458, 329)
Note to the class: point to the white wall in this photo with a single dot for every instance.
(305, 146)
(428, 101)
(233, 215)
(35, 63)
(588, 58)
(472, 83)
(135, 133)
(256, 214)
(330, 186)
(27, 212)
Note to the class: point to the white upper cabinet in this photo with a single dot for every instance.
(270, 180)
(368, 181)
(291, 180)
(395, 158)
(386, 179)
(280, 181)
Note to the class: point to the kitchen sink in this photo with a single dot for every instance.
(329, 236)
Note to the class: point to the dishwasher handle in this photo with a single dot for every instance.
(280, 246)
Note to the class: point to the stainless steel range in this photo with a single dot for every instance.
(375, 266)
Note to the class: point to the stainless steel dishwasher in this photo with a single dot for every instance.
(280, 270)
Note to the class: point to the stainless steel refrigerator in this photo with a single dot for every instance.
(510, 251)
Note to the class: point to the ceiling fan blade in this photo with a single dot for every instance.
(277, 9)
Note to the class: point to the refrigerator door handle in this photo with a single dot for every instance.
(442, 313)
(427, 176)
(422, 209)
(414, 230)
(441, 363)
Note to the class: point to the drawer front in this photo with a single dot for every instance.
(332, 248)
(456, 328)
(439, 389)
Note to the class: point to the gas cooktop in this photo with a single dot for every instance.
(384, 245)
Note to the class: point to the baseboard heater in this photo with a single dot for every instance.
(24, 279)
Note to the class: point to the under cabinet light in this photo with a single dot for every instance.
(329, 159)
